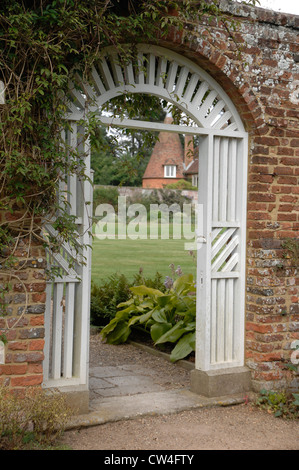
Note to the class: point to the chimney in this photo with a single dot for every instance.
(188, 150)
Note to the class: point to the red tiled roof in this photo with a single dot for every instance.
(193, 168)
(168, 150)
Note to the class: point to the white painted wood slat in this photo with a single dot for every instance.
(191, 87)
(107, 77)
(161, 72)
(57, 330)
(219, 261)
(150, 70)
(117, 70)
(69, 330)
(223, 179)
(140, 69)
(98, 81)
(171, 77)
(181, 82)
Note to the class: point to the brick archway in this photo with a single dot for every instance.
(264, 88)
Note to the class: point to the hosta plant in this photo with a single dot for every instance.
(168, 317)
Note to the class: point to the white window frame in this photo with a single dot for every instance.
(170, 171)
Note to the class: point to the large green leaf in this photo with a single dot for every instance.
(108, 328)
(160, 316)
(148, 303)
(126, 304)
(184, 347)
(133, 320)
(144, 290)
(173, 334)
(119, 334)
(121, 317)
(158, 329)
(164, 299)
(123, 313)
(184, 284)
(146, 316)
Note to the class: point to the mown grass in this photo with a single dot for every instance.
(128, 256)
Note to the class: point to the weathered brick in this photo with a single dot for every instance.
(286, 207)
(31, 333)
(13, 369)
(36, 345)
(283, 170)
(18, 345)
(28, 357)
(287, 180)
(38, 297)
(289, 161)
(27, 381)
(285, 151)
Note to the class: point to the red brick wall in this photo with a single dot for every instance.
(22, 319)
(263, 82)
(158, 183)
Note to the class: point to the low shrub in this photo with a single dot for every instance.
(105, 195)
(181, 184)
(36, 419)
(106, 296)
(160, 196)
(281, 404)
(155, 283)
(168, 317)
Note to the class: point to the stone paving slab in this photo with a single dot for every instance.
(107, 371)
(121, 381)
(95, 383)
(128, 391)
(112, 409)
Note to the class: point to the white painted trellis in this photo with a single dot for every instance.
(68, 295)
(222, 194)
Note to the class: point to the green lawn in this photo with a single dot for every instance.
(127, 256)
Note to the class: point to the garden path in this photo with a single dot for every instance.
(132, 417)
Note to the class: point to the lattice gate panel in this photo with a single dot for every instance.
(226, 249)
(221, 263)
(67, 305)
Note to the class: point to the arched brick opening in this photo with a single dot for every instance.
(265, 91)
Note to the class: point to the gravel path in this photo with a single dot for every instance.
(240, 427)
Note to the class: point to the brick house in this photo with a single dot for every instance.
(169, 160)
(192, 172)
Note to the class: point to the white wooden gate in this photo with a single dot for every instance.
(221, 256)
(222, 194)
(68, 294)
